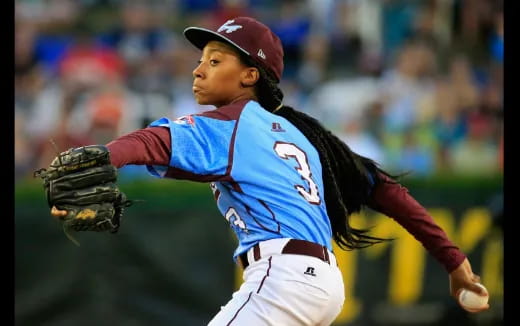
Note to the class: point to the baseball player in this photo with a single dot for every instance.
(285, 184)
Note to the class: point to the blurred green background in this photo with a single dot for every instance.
(413, 84)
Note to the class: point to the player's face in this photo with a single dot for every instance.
(219, 76)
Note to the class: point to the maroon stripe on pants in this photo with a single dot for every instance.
(236, 314)
(267, 274)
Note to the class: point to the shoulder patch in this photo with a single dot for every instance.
(185, 120)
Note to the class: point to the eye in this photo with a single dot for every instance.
(213, 62)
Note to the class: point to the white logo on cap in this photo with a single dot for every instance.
(229, 28)
(261, 54)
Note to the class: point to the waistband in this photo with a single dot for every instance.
(286, 246)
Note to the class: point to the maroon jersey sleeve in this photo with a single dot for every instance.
(393, 200)
(149, 146)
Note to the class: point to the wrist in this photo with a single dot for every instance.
(451, 258)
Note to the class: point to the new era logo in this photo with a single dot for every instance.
(310, 271)
(261, 54)
(276, 127)
(228, 27)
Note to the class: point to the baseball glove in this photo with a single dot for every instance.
(82, 181)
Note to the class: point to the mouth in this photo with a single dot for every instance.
(196, 89)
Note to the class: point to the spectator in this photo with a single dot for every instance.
(406, 84)
(24, 154)
(497, 39)
(227, 9)
(362, 142)
(449, 123)
(58, 112)
(463, 83)
(475, 155)
(142, 45)
(146, 46)
(415, 157)
(292, 25)
(491, 101)
(28, 77)
(397, 25)
(338, 101)
(313, 67)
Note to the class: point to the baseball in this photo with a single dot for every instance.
(471, 300)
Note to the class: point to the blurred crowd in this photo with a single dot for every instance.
(416, 85)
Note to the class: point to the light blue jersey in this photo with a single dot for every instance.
(264, 173)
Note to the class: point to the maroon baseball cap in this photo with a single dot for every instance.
(249, 36)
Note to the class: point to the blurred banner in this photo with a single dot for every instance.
(170, 263)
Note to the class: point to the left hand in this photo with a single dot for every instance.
(463, 278)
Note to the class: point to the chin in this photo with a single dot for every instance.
(205, 101)
(201, 100)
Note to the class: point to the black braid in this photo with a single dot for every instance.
(345, 178)
(346, 175)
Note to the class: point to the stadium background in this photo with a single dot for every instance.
(414, 84)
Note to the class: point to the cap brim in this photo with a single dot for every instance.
(200, 37)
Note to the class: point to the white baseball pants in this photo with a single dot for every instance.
(285, 290)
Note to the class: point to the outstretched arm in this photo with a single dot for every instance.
(149, 146)
(393, 200)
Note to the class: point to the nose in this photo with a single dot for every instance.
(197, 72)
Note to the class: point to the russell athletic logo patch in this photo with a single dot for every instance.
(276, 127)
(310, 271)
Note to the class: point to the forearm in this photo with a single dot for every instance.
(149, 146)
(393, 200)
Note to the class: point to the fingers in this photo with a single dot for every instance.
(477, 289)
(475, 278)
(471, 286)
(58, 213)
(486, 307)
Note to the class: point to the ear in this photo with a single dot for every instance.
(249, 76)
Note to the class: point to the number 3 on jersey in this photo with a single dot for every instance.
(235, 220)
(289, 150)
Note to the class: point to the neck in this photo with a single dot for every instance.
(242, 97)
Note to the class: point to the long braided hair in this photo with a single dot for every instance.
(348, 177)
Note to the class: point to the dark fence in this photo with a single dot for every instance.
(170, 263)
